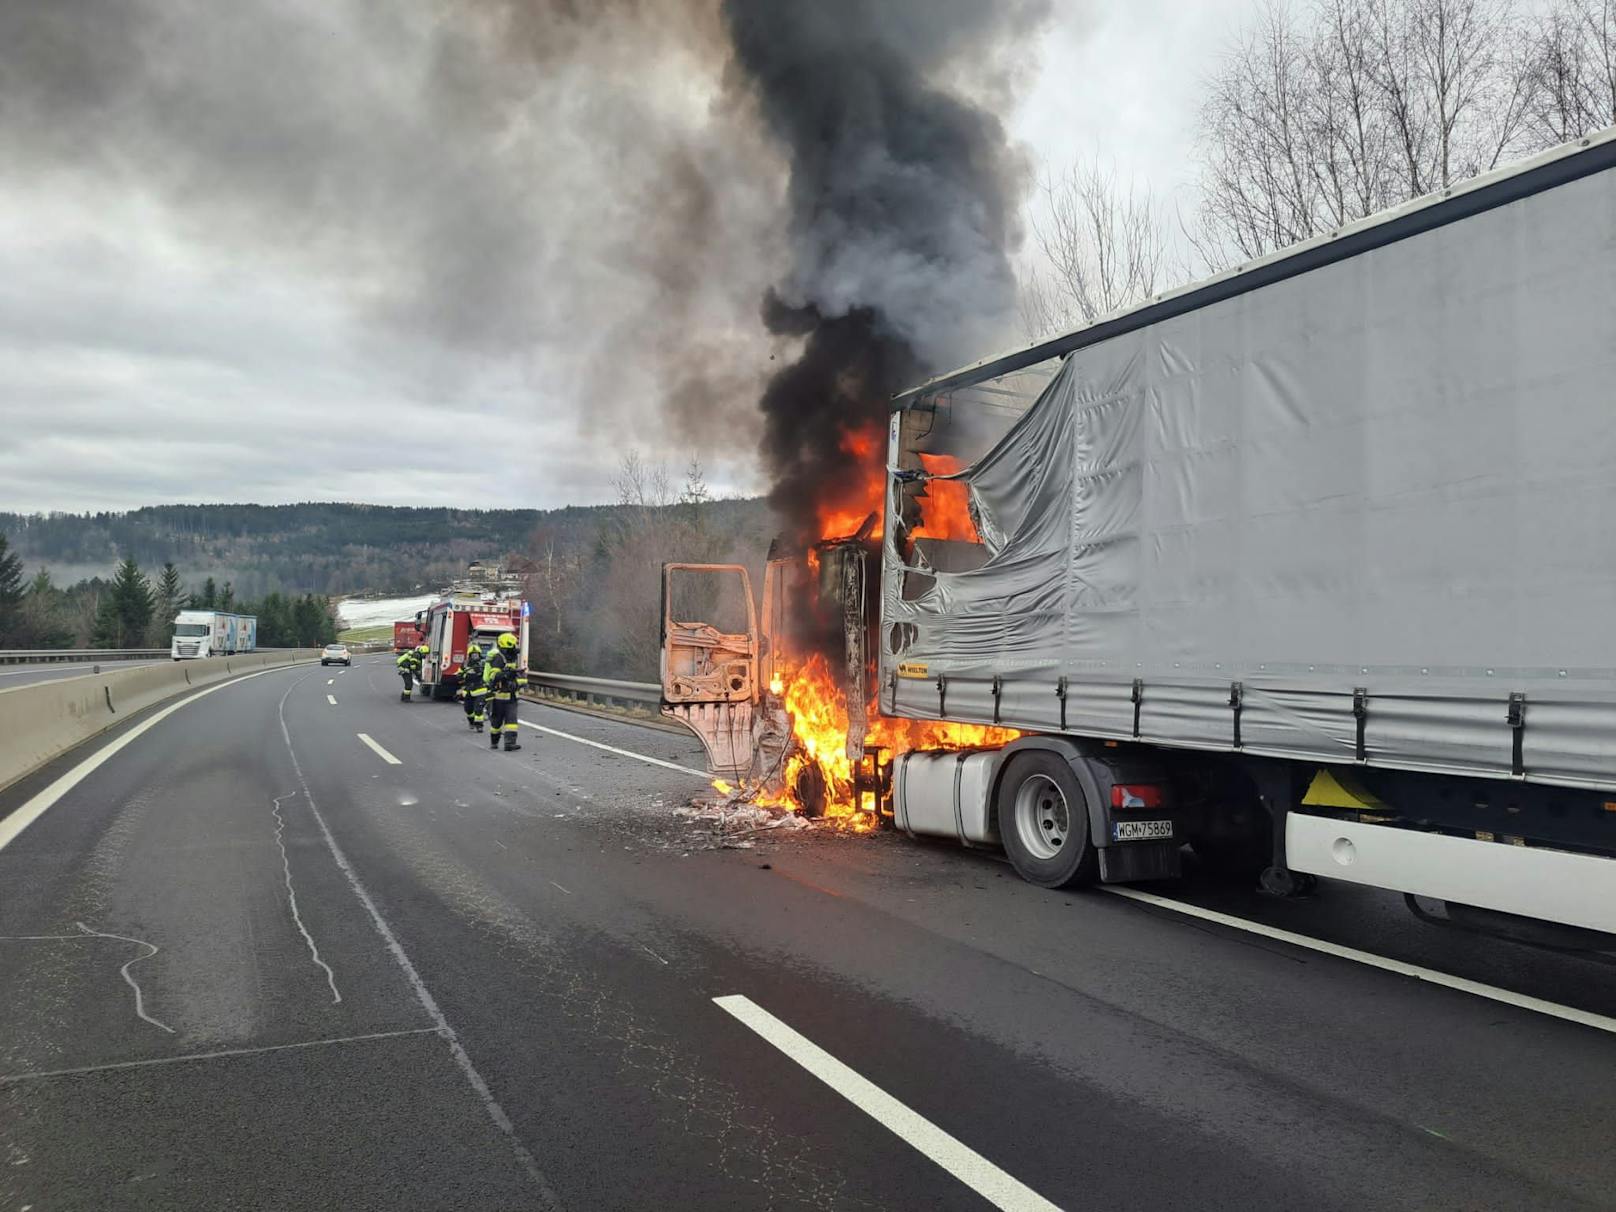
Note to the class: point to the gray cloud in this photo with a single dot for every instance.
(440, 195)
(228, 229)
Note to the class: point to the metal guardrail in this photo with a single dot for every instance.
(41, 656)
(596, 690)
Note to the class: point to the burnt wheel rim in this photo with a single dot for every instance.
(1043, 818)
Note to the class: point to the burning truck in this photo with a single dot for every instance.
(1305, 567)
(787, 703)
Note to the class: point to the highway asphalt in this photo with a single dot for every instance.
(13, 677)
(254, 960)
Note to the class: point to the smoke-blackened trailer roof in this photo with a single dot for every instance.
(1544, 171)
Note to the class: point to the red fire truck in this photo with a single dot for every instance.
(407, 633)
(450, 624)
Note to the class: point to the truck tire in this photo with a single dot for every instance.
(1044, 822)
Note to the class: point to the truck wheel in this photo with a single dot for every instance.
(1044, 821)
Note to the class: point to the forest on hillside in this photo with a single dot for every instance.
(326, 549)
(591, 572)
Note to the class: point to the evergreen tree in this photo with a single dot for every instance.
(10, 593)
(43, 616)
(227, 597)
(169, 596)
(208, 599)
(275, 629)
(125, 609)
(307, 622)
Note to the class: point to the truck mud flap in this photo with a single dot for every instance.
(1140, 861)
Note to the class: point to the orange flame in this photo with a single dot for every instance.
(817, 708)
(814, 701)
(861, 493)
(945, 510)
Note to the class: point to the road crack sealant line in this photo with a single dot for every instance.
(291, 895)
(34, 1075)
(457, 1050)
(86, 933)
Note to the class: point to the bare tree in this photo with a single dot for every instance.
(1456, 81)
(1104, 246)
(640, 484)
(1323, 115)
(1260, 187)
(1573, 61)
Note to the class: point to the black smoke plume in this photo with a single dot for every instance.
(902, 204)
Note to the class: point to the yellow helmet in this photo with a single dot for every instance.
(424, 648)
(507, 641)
(472, 647)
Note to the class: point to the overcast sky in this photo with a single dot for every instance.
(242, 258)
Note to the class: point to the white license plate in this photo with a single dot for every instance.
(1136, 831)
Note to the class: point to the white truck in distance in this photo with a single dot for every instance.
(205, 633)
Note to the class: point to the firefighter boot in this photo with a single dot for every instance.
(510, 742)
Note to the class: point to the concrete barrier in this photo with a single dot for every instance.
(43, 721)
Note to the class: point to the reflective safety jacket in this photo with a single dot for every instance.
(409, 662)
(501, 677)
(471, 674)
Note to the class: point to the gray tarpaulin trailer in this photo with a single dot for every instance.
(1326, 544)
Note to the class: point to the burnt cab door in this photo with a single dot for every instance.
(710, 660)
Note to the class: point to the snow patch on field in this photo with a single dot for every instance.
(374, 612)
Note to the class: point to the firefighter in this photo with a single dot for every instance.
(409, 668)
(471, 686)
(502, 679)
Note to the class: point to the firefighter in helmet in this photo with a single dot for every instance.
(502, 678)
(409, 668)
(471, 686)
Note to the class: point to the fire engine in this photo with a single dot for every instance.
(407, 634)
(452, 622)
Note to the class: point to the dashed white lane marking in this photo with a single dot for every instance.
(291, 896)
(332, 699)
(628, 753)
(42, 801)
(651, 953)
(1493, 993)
(568, 891)
(380, 752)
(37, 1074)
(331, 681)
(964, 1163)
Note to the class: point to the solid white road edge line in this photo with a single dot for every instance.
(1493, 993)
(638, 757)
(970, 1167)
(380, 752)
(332, 699)
(42, 800)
